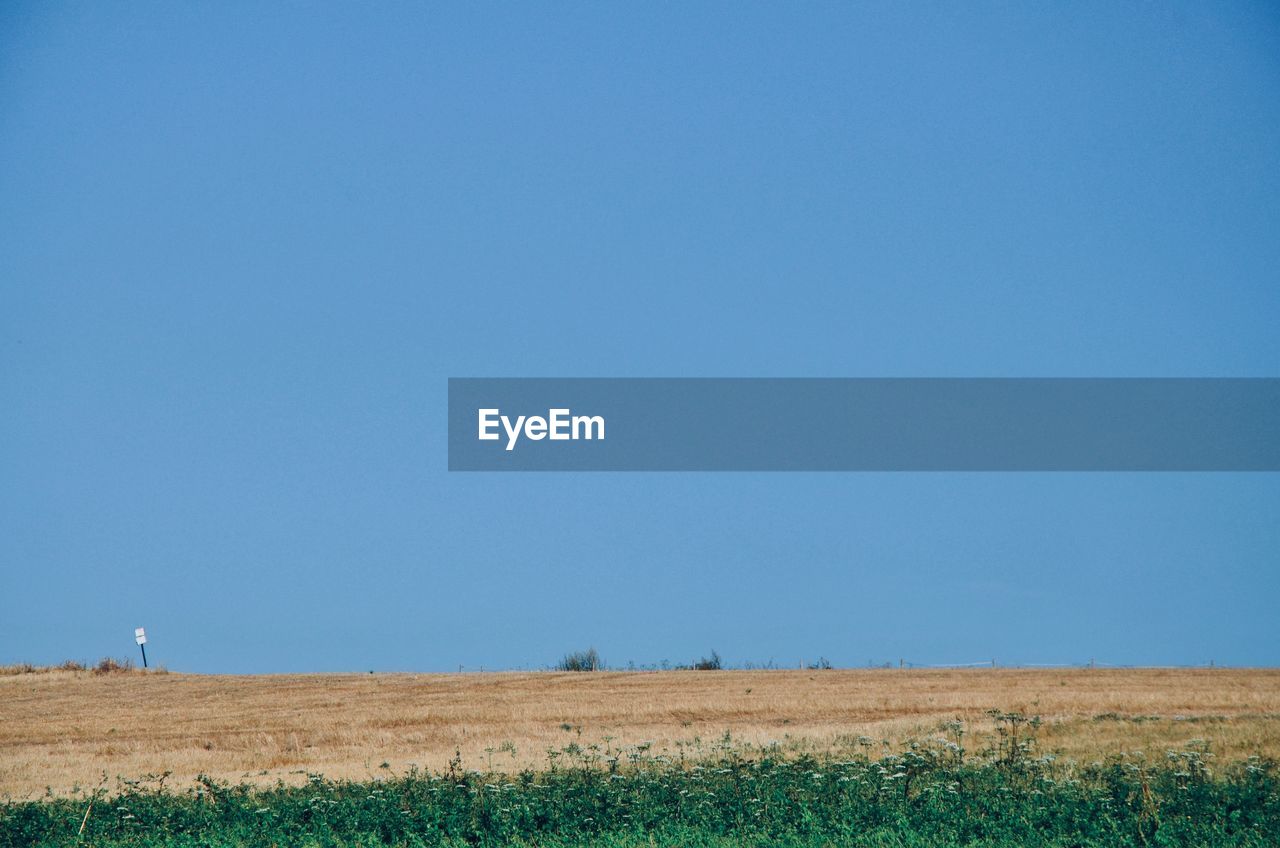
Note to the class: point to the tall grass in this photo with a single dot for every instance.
(930, 793)
(65, 665)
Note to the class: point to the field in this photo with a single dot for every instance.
(64, 730)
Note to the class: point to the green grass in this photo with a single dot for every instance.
(926, 796)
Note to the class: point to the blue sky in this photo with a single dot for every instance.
(242, 249)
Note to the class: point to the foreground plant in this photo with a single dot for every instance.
(927, 794)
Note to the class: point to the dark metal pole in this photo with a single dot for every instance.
(144, 655)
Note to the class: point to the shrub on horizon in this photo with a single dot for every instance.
(588, 660)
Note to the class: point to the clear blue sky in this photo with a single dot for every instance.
(242, 249)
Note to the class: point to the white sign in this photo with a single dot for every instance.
(140, 636)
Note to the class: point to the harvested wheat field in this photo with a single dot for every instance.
(65, 729)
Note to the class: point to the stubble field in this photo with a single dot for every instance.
(64, 730)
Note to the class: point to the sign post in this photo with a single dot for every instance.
(140, 636)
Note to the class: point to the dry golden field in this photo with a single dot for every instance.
(63, 729)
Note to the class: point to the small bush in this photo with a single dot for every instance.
(588, 660)
(111, 665)
(711, 663)
(71, 665)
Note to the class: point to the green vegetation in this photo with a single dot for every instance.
(588, 660)
(927, 795)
